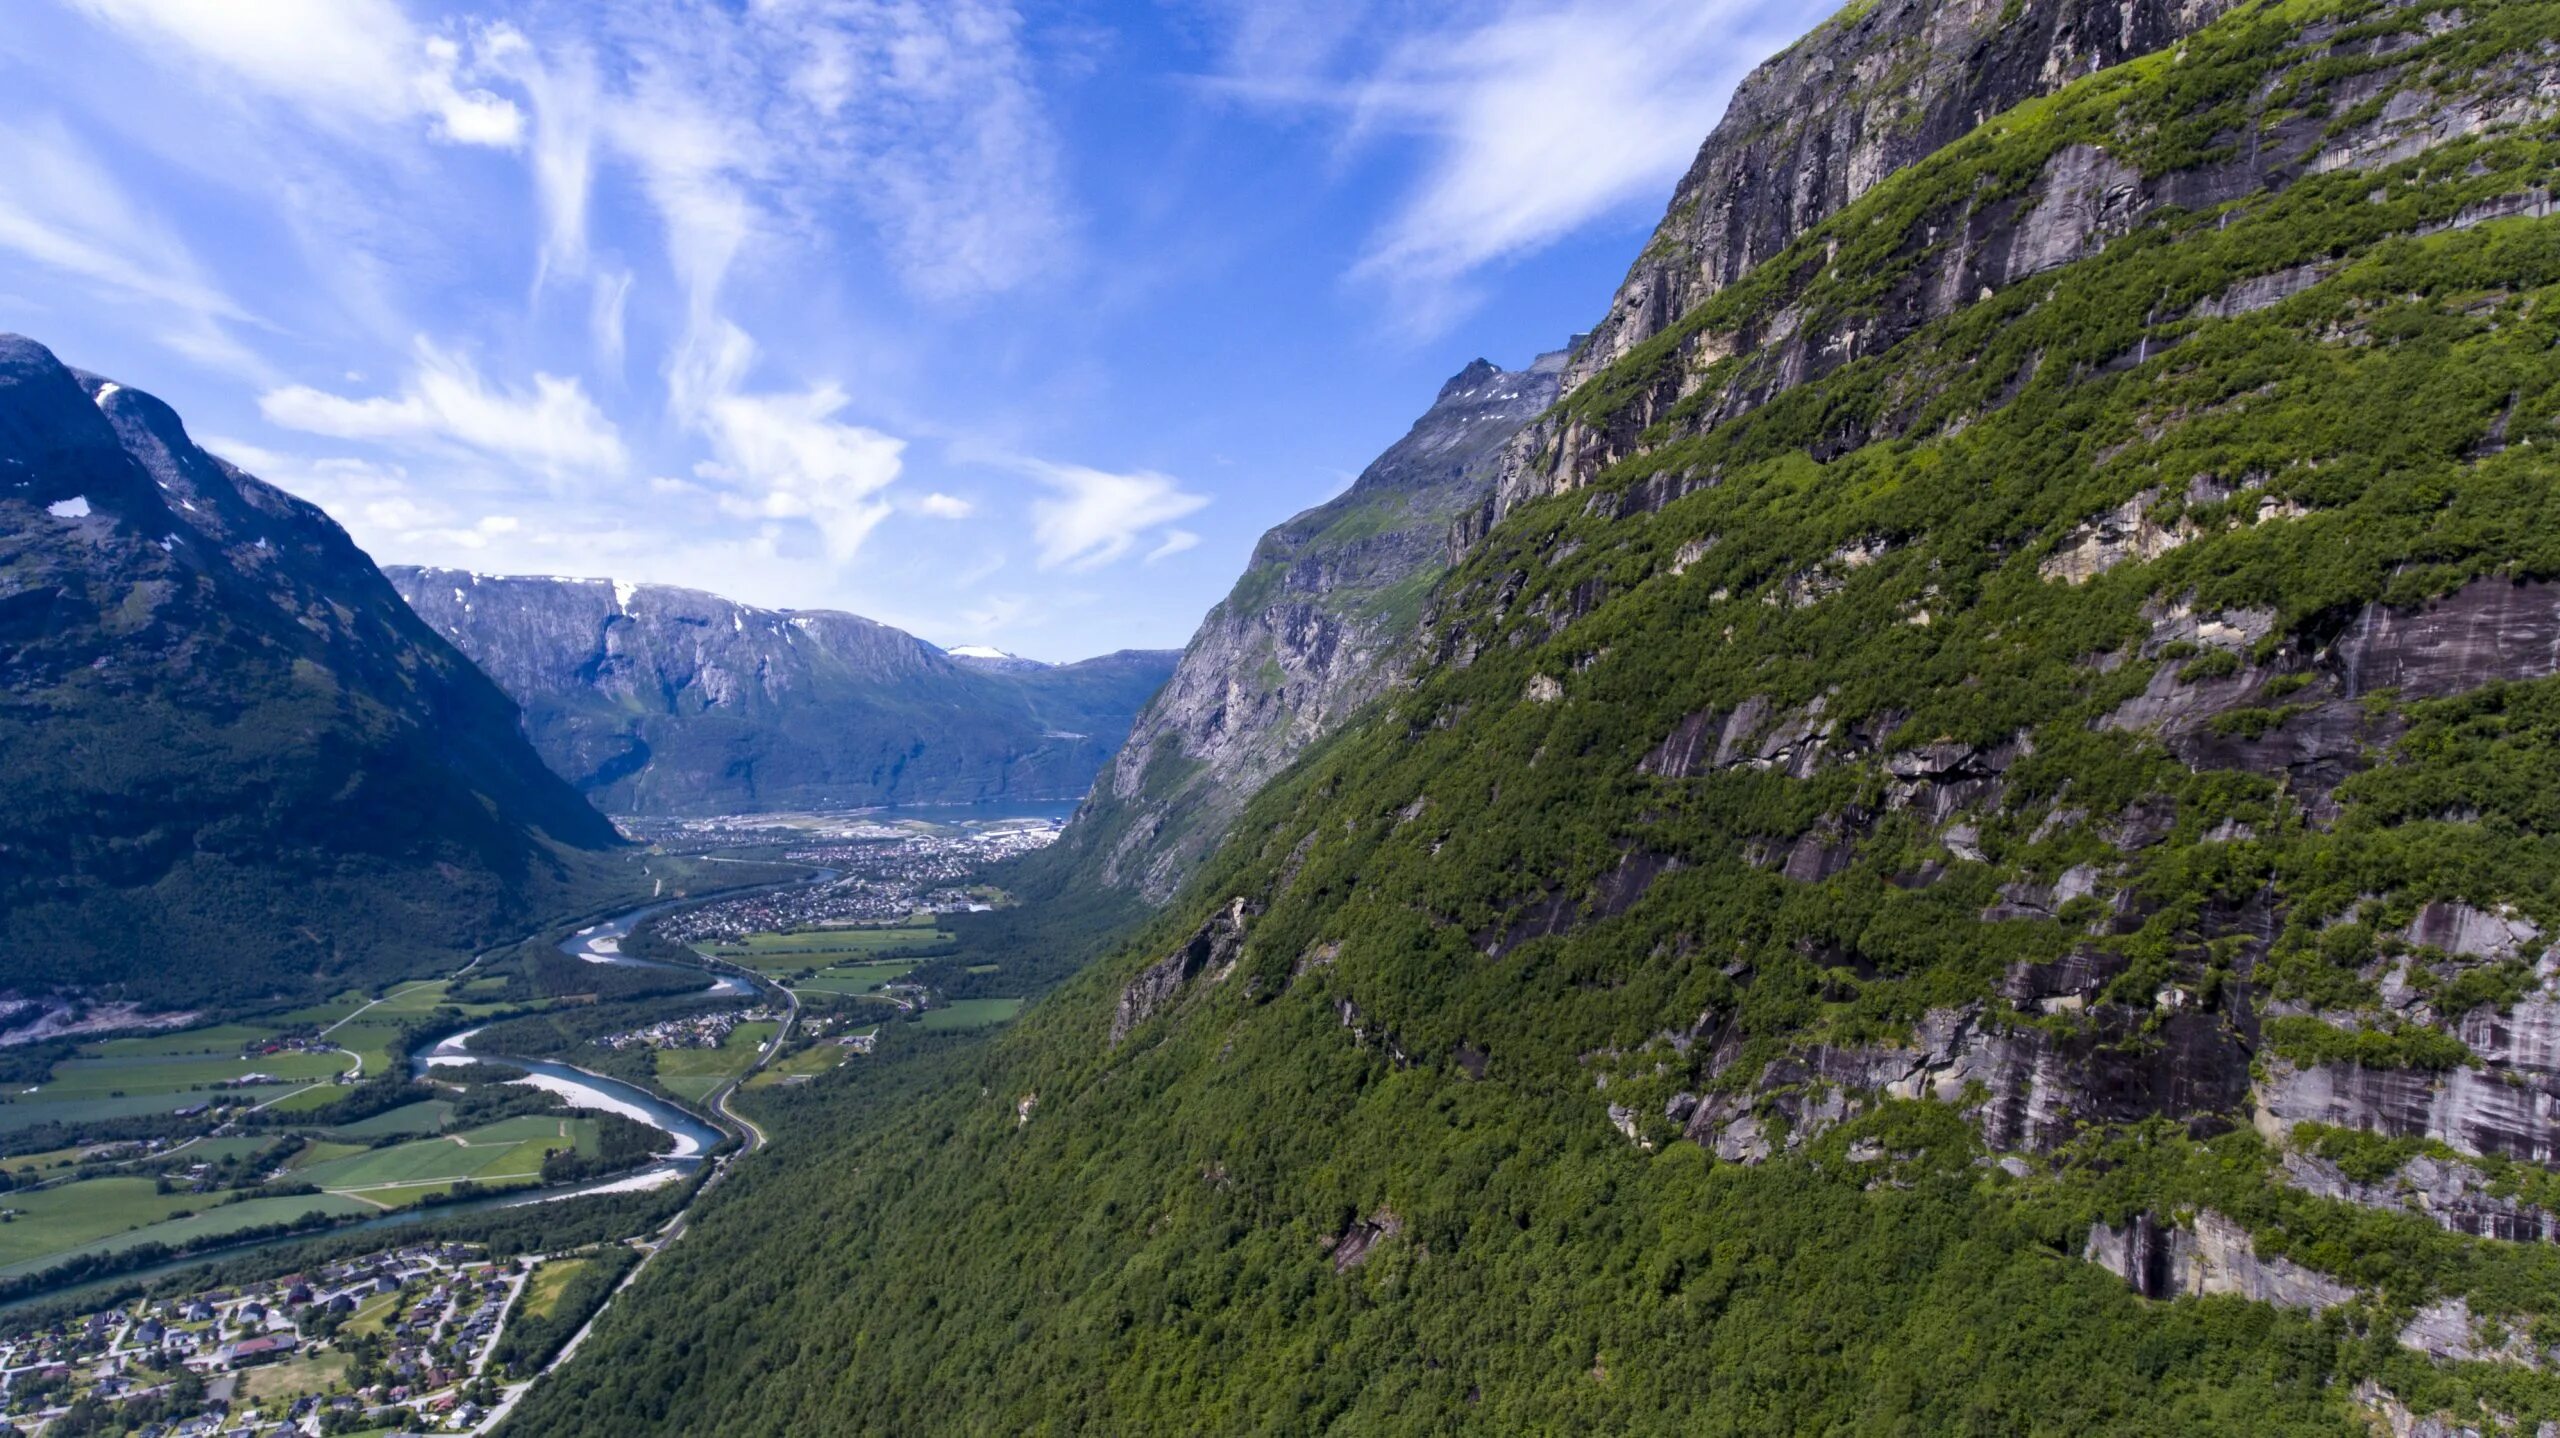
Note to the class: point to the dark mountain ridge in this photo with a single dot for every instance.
(658, 700)
(236, 763)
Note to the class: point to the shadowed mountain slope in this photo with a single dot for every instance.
(235, 763)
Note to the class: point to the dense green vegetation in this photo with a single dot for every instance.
(564, 1294)
(1414, 1160)
(197, 766)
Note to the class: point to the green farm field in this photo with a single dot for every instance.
(819, 948)
(283, 1382)
(692, 1074)
(106, 1075)
(972, 1013)
(56, 1220)
(206, 1222)
(542, 1292)
(411, 1120)
(818, 1058)
(852, 979)
(508, 1151)
(369, 1030)
(27, 1111)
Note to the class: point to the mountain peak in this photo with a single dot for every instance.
(989, 654)
(1475, 374)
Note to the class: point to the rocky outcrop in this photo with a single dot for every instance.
(237, 764)
(2508, 1105)
(2454, 1194)
(2447, 1331)
(2212, 1256)
(2025, 1087)
(2490, 629)
(1665, 365)
(1320, 624)
(1808, 133)
(1213, 951)
(654, 699)
(1353, 1246)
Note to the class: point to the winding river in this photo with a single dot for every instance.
(599, 944)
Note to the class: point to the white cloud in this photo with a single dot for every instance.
(784, 454)
(745, 121)
(552, 426)
(1535, 120)
(1175, 541)
(796, 462)
(62, 210)
(610, 297)
(945, 506)
(1092, 517)
(359, 59)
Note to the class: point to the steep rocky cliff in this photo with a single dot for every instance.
(236, 764)
(1322, 622)
(1972, 851)
(1877, 89)
(1285, 660)
(652, 699)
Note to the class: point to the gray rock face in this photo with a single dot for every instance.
(2474, 1112)
(660, 700)
(2395, 1418)
(1321, 624)
(2445, 1330)
(1212, 951)
(2037, 1090)
(2214, 1256)
(1949, 66)
(1816, 128)
(2489, 629)
(1811, 131)
(2454, 1194)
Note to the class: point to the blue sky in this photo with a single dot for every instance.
(1012, 323)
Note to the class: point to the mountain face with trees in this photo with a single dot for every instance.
(658, 700)
(236, 764)
(1971, 849)
(1322, 622)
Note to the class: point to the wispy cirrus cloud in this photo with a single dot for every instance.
(787, 456)
(338, 59)
(1534, 119)
(1090, 517)
(738, 127)
(549, 425)
(63, 210)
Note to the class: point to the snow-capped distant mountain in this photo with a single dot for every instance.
(987, 656)
(652, 699)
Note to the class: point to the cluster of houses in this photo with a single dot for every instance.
(694, 1031)
(441, 1310)
(287, 1044)
(885, 879)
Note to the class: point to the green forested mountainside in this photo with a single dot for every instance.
(1990, 875)
(233, 766)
